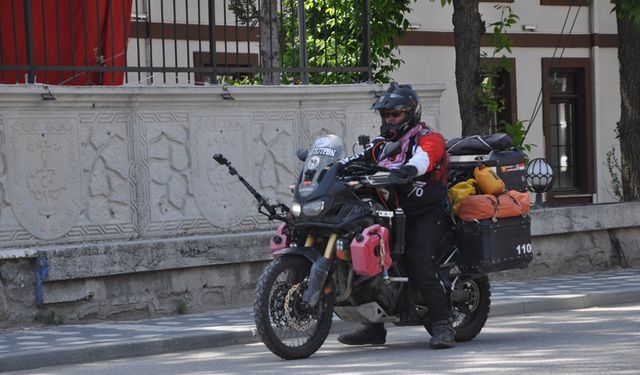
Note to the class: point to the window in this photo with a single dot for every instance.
(568, 129)
(504, 85)
(233, 66)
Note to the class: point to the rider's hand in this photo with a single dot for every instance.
(403, 174)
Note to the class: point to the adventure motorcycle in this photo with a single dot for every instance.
(339, 249)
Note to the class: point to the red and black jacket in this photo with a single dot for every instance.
(425, 157)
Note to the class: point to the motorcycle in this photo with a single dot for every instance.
(339, 249)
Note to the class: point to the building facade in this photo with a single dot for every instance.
(564, 83)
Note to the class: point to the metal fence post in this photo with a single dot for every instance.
(302, 34)
(212, 43)
(366, 40)
(28, 39)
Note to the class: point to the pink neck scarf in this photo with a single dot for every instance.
(398, 160)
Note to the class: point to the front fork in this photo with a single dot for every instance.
(319, 270)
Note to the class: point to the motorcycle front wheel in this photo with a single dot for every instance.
(288, 329)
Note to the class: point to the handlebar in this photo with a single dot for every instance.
(371, 175)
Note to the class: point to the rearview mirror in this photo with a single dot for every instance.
(364, 140)
(302, 154)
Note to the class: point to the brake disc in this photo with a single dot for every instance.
(297, 319)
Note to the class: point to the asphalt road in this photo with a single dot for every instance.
(602, 340)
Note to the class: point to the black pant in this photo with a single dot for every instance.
(424, 234)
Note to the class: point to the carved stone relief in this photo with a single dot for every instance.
(220, 197)
(44, 174)
(183, 190)
(78, 174)
(275, 146)
(431, 115)
(166, 203)
(323, 121)
(361, 123)
(107, 160)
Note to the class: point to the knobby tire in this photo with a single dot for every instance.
(277, 288)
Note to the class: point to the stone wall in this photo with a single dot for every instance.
(578, 239)
(119, 163)
(110, 200)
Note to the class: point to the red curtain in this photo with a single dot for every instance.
(66, 33)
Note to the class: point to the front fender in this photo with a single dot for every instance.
(310, 253)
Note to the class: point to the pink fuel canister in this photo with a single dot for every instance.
(367, 250)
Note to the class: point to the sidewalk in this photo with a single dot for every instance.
(67, 344)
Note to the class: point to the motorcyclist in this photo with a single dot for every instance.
(420, 171)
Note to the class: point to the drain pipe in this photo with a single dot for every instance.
(594, 55)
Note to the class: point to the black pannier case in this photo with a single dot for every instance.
(509, 166)
(491, 246)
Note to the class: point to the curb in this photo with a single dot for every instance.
(577, 301)
(135, 348)
(186, 342)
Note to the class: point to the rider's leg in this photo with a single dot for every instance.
(423, 237)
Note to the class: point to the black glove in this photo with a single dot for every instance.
(403, 174)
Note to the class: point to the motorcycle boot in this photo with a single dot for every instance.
(371, 333)
(444, 336)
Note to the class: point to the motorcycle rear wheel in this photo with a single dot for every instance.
(470, 312)
(287, 329)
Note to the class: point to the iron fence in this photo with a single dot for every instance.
(111, 42)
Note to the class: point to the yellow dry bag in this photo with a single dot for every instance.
(460, 191)
(488, 181)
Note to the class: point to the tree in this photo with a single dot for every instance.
(269, 42)
(475, 79)
(334, 36)
(336, 39)
(266, 16)
(628, 19)
(468, 29)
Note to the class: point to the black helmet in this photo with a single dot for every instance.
(401, 98)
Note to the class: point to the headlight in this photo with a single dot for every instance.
(296, 209)
(313, 208)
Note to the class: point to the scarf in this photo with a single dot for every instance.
(398, 160)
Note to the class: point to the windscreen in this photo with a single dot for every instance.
(326, 149)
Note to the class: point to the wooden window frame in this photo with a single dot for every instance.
(566, 2)
(497, 1)
(241, 60)
(584, 145)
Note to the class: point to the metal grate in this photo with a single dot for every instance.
(111, 42)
